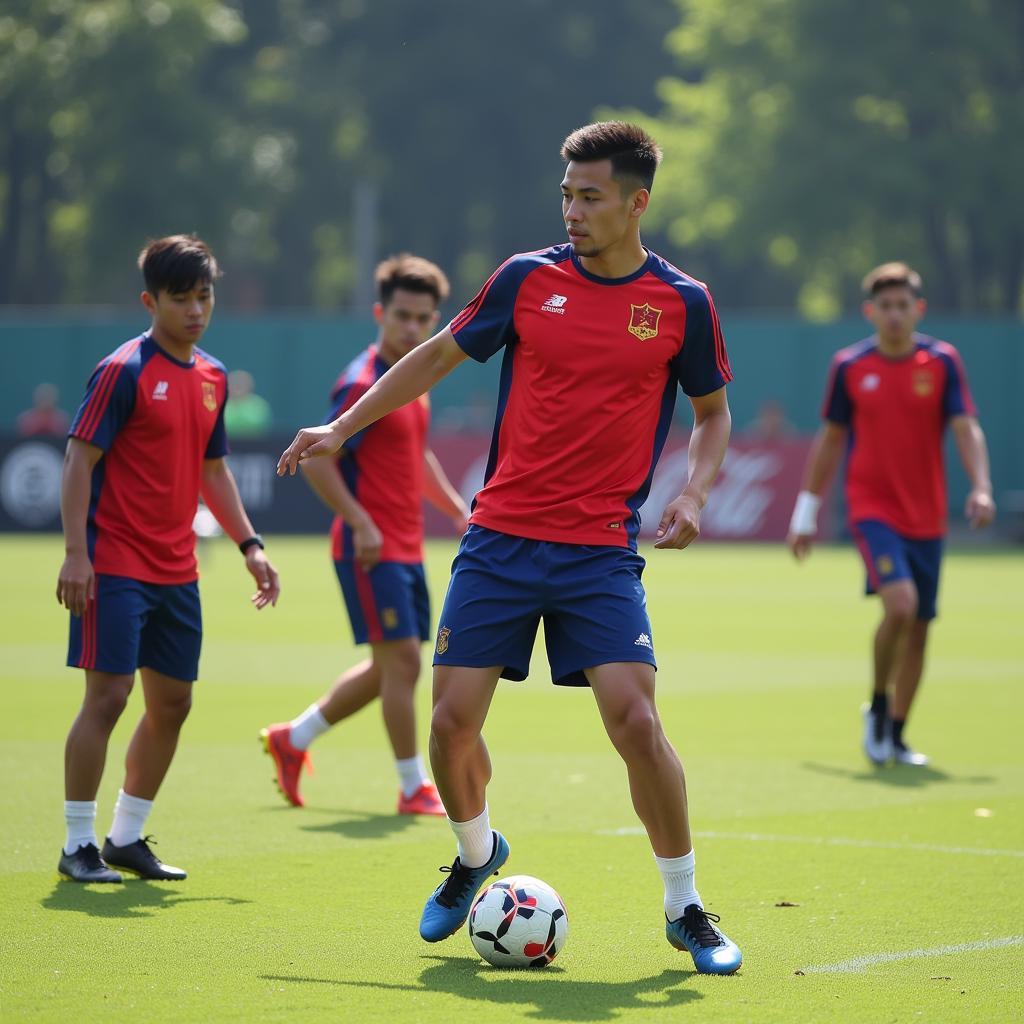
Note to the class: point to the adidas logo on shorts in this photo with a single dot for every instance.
(643, 640)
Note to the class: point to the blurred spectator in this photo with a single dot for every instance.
(246, 414)
(771, 423)
(44, 419)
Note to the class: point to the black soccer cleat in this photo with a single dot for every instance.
(140, 860)
(85, 865)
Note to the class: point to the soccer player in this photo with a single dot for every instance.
(888, 401)
(147, 441)
(596, 337)
(376, 489)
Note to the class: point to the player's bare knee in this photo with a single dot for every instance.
(399, 660)
(171, 712)
(104, 705)
(450, 729)
(900, 603)
(637, 735)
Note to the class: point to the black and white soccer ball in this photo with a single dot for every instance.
(518, 921)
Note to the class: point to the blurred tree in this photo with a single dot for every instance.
(807, 142)
(255, 124)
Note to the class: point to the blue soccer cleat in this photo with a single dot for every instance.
(449, 905)
(712, 952)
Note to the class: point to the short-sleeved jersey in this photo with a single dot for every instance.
(382, 466)
(156, 419)
(588, 385)
(897, 410)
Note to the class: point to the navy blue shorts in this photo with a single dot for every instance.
(133, 625)
(590, 598)
(390, 602)
(889, 557)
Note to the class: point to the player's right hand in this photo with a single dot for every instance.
(800, 544)
(367, 542)
(309, 443)
(76, 583)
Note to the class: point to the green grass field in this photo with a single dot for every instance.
(905, 880)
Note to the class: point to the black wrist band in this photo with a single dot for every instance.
(254, 541)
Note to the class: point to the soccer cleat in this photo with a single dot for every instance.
(694, 932)
(288, 761)
(140, 860)
(902, 754)
(424, 801)
(877, 737)
(85, 865)
(449, 905)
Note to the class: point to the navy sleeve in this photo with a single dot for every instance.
(343, 397)
(702, 364)
(108, 403)
(956, 396)
(217, 447)
(487, 325)
(838, 408)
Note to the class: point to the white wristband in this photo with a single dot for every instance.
(805, 514)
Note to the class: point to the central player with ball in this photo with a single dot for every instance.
(597, 335)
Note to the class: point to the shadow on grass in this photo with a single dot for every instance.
(130, 899)
(361, 824)
(546, 994)
(904, 776)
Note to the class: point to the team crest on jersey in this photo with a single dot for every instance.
(922, 383)
(643, 321)
(389, 618)
(210, 395)
(442, 639)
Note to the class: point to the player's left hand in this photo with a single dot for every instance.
(680, 524)
(265, 576)
(460, 521)
(980, 509)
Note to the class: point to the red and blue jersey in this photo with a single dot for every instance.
(588, 385)
(156, 419)
(897, 411)
(382, 466)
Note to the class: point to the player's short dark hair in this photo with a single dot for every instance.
(177, 264)
(891, 275)
(633, 153)
(411, 274)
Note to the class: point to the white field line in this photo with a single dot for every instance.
(871, 844)
(858, 963)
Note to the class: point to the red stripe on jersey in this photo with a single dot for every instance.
(104, 389)
(369, 606)
(721, 356)
(473, 308)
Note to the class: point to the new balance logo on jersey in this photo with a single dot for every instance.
(556, 304)
(160, 391)
(643, 640)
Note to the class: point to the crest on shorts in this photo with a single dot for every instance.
(885, 565)
(643, 321)
(210, 395)
(389, 618)
(442, 639)
(923, 383)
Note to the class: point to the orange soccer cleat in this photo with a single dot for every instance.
(288, 760)
(424, 801)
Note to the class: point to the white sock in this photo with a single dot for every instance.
(677, 873)
(130, 814)
(310, 724)
(80, 818)
(476, 841)
(411, 774)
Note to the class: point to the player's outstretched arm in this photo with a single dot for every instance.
(220, 492)
(412, 376)
(822, 462)
(712, 424)
(980, 509)
(76, 582)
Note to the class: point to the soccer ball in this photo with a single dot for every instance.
(518, 921)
